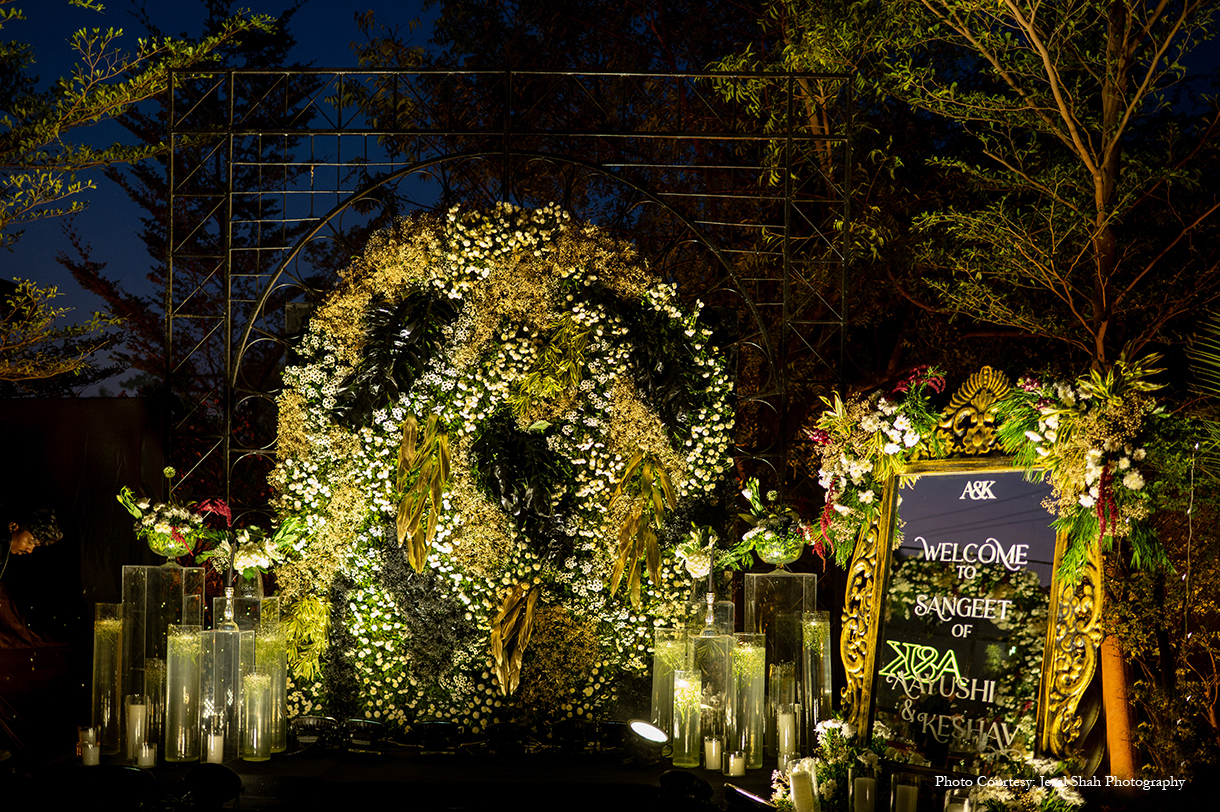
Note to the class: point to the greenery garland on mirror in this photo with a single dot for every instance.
(466, 409)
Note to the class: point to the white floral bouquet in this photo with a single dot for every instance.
(1090, 439)
(252, 551)
(777, 533)
(861, 443)
(840, 749)
(170, 529)
(1027, 783)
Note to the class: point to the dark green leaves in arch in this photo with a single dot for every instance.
(526, 479)
(662, 365)
(400, 338)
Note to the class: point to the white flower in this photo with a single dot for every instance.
(1133, 481)
(866, 497)
(910, 439)
(1033, 436)
(891, 448)
(843, 509)
(1087, 501)
(1139, 454)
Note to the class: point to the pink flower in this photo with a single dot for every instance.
(218, 507)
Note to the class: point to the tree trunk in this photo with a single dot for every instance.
(1117, 708)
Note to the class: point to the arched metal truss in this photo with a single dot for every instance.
(277, 177)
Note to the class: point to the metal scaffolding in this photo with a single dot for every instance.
(277, 177)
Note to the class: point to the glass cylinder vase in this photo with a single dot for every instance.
(182, 706)
(107, 710)
(271, 658)
(749, 697)
(712, 657)
(153, 598)
(256, 716)
(227, 654)
(815, 629)
(775, 604)
(687, 738)
(669, 654)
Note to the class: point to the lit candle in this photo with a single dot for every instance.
(137, 719)
(804, 796)
(215, 748)
(147, 756)
(711, 753)
(785, 727)
(90, 754)
(865, 790)
(905, 798)
(737, 763)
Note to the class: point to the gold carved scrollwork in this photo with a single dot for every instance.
(1070, 658)
(967, 428)
(861, 623)
(967, 424)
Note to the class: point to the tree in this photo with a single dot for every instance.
(1099, 208)
(34, 343)
(196, 377)
(41, 150)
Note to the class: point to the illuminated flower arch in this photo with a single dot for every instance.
(482, 386)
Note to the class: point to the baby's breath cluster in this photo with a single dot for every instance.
(549, 323)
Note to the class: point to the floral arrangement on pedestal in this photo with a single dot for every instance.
(777, 532)
(499, 430)
(862, 442)
(170, 529)
(252, 551)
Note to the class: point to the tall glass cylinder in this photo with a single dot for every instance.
(669, 655)
(220, 677)
(749, 697)
(687, 733)
(713, 658)
(153, 598)
(775, 604)
(182, 703)
(271, 657)
(256, 716)
(818, 698)
(107, 676)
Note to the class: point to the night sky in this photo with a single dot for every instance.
(324, 31)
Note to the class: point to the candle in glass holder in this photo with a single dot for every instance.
(785, 729)
(804, 797)
(711, 753)
(737, 763)
(90, 754)
(147, 755)
(864, 793)
(214, 748)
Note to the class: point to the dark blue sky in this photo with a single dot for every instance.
(324, 31)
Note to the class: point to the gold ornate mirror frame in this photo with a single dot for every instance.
(967, 427)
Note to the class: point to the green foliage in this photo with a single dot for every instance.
(39, 157)
(306, 627)
(646, 478)
(34, 343)
(510, 634)
(524, 477)
(399, 341)
(423, 471)
(559, 367)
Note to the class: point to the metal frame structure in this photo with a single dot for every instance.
(276, 177)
